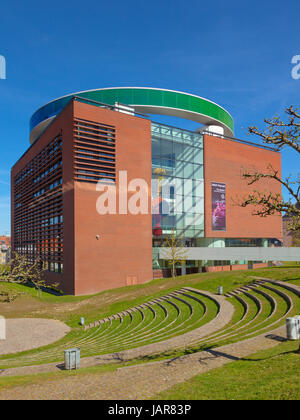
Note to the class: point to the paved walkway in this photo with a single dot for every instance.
(142, 381)
(29, 333)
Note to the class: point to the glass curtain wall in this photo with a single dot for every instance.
(177, 186)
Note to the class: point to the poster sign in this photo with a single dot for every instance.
(218, 198)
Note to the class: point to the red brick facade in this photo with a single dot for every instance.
(88, 252)
(6, 240)
(224, 162)
(99, 251)
(122, 254)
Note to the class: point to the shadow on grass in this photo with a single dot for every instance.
(276, 338)
(284, 353)
(46, 289)
(172, 356)
(288, 266)
(205, 359)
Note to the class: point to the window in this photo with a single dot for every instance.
(94, 151)
(177, 156)
(38, 219)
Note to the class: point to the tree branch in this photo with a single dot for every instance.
(281, 133)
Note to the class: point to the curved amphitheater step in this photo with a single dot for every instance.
(140, 381)
(224, 312)
(274, 318)
(292, 287)
(173, 326)
(262, 307)
(121, 385)
(223, 317)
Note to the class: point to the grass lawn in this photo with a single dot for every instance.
(7, 382)
(268, 375)
(273, 374)
(69, 309)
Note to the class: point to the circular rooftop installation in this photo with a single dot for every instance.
(143, 100)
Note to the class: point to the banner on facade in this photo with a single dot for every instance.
(218, 199)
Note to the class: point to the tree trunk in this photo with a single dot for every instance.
(173, 270)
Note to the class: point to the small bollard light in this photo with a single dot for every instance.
(220, 290)
(82, 320)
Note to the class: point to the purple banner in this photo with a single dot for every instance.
(218, 199)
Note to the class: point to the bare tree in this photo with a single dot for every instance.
(279, 134)
(23, 271)
(8, 296)
(176, 253)
(36, 277)
(18, 269)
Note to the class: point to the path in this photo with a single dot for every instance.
(29, 333)
(223, 317)
(142, 381)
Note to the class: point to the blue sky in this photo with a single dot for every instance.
(235, 53)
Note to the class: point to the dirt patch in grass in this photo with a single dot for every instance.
(29, 333)
(21, 306)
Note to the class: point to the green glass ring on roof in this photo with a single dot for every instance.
(143, 100)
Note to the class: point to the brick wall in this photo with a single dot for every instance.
(224, 162)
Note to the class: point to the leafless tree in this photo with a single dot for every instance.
(279, 134)
(23, 271)
(175, 253)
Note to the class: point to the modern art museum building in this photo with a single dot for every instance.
(103, 185)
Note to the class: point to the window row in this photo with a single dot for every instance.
(183, 221)
(96, 156)
(176, 134)
(176, 169)
(54, 267)
(45, 173)
(170, 186)
(49, 187)
(176, 151)
(44, 156)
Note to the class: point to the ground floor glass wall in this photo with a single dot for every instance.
(214, 243)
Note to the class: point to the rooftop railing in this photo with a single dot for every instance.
(249, 143)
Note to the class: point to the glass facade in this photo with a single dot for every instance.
(178, 195)
(177, 185)
(177, 173)
(231, 242)
(234, 242)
